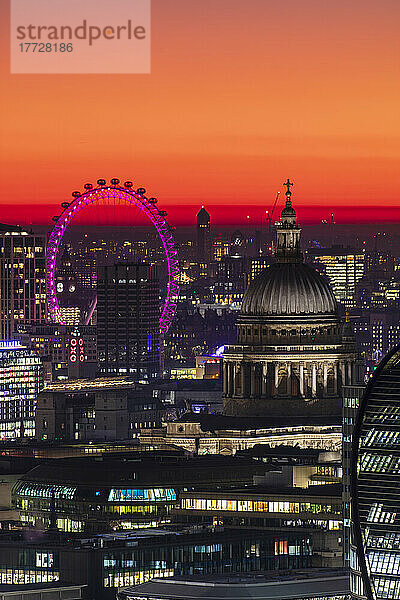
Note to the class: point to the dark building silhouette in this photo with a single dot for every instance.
(203, 235)
(128, 333)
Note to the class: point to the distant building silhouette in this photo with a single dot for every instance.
(203, 235)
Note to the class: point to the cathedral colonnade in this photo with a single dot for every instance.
(302, 378)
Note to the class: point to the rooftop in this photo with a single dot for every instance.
(82, 385)
(242, 423)
(335, 250)
(121, 382)
(295, 585)
(142, 469)
(154, 536)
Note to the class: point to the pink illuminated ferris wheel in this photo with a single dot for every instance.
(127, 194)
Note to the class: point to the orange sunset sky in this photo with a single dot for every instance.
(242, 95)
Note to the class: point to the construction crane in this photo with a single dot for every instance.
(270, 216)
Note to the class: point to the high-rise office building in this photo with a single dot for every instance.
(21, 379)
(203, 235)
(231, 280)
(344, 267)
(128, 332)
(22, 279)
(375, 470)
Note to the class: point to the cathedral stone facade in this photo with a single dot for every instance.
(293, 355)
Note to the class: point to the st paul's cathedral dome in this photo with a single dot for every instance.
(290, 354)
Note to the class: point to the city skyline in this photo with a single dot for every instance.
(200, 299)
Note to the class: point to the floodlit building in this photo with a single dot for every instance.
(220, 434)
(103, 409)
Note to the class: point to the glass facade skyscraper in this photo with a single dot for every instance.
(375, 485)
(21, 379)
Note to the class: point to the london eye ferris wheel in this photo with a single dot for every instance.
(124, 193)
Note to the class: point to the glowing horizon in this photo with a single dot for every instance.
(239, 99)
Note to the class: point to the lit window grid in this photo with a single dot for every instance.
(344, 272)
(149, 495)
(20, 383)
(264, 506)
(22, 280)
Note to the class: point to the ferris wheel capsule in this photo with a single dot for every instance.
(76, 194)
(141, 191)
(115, 181)
(88, 186)
(128, 184)
(153, 201)
(101, 182)
(55, 218)
(65, 204)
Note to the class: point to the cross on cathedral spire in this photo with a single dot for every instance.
(288, 185)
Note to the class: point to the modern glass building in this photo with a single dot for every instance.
(375, 488)
(106, 562)
(21, 379)
(122, 492)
